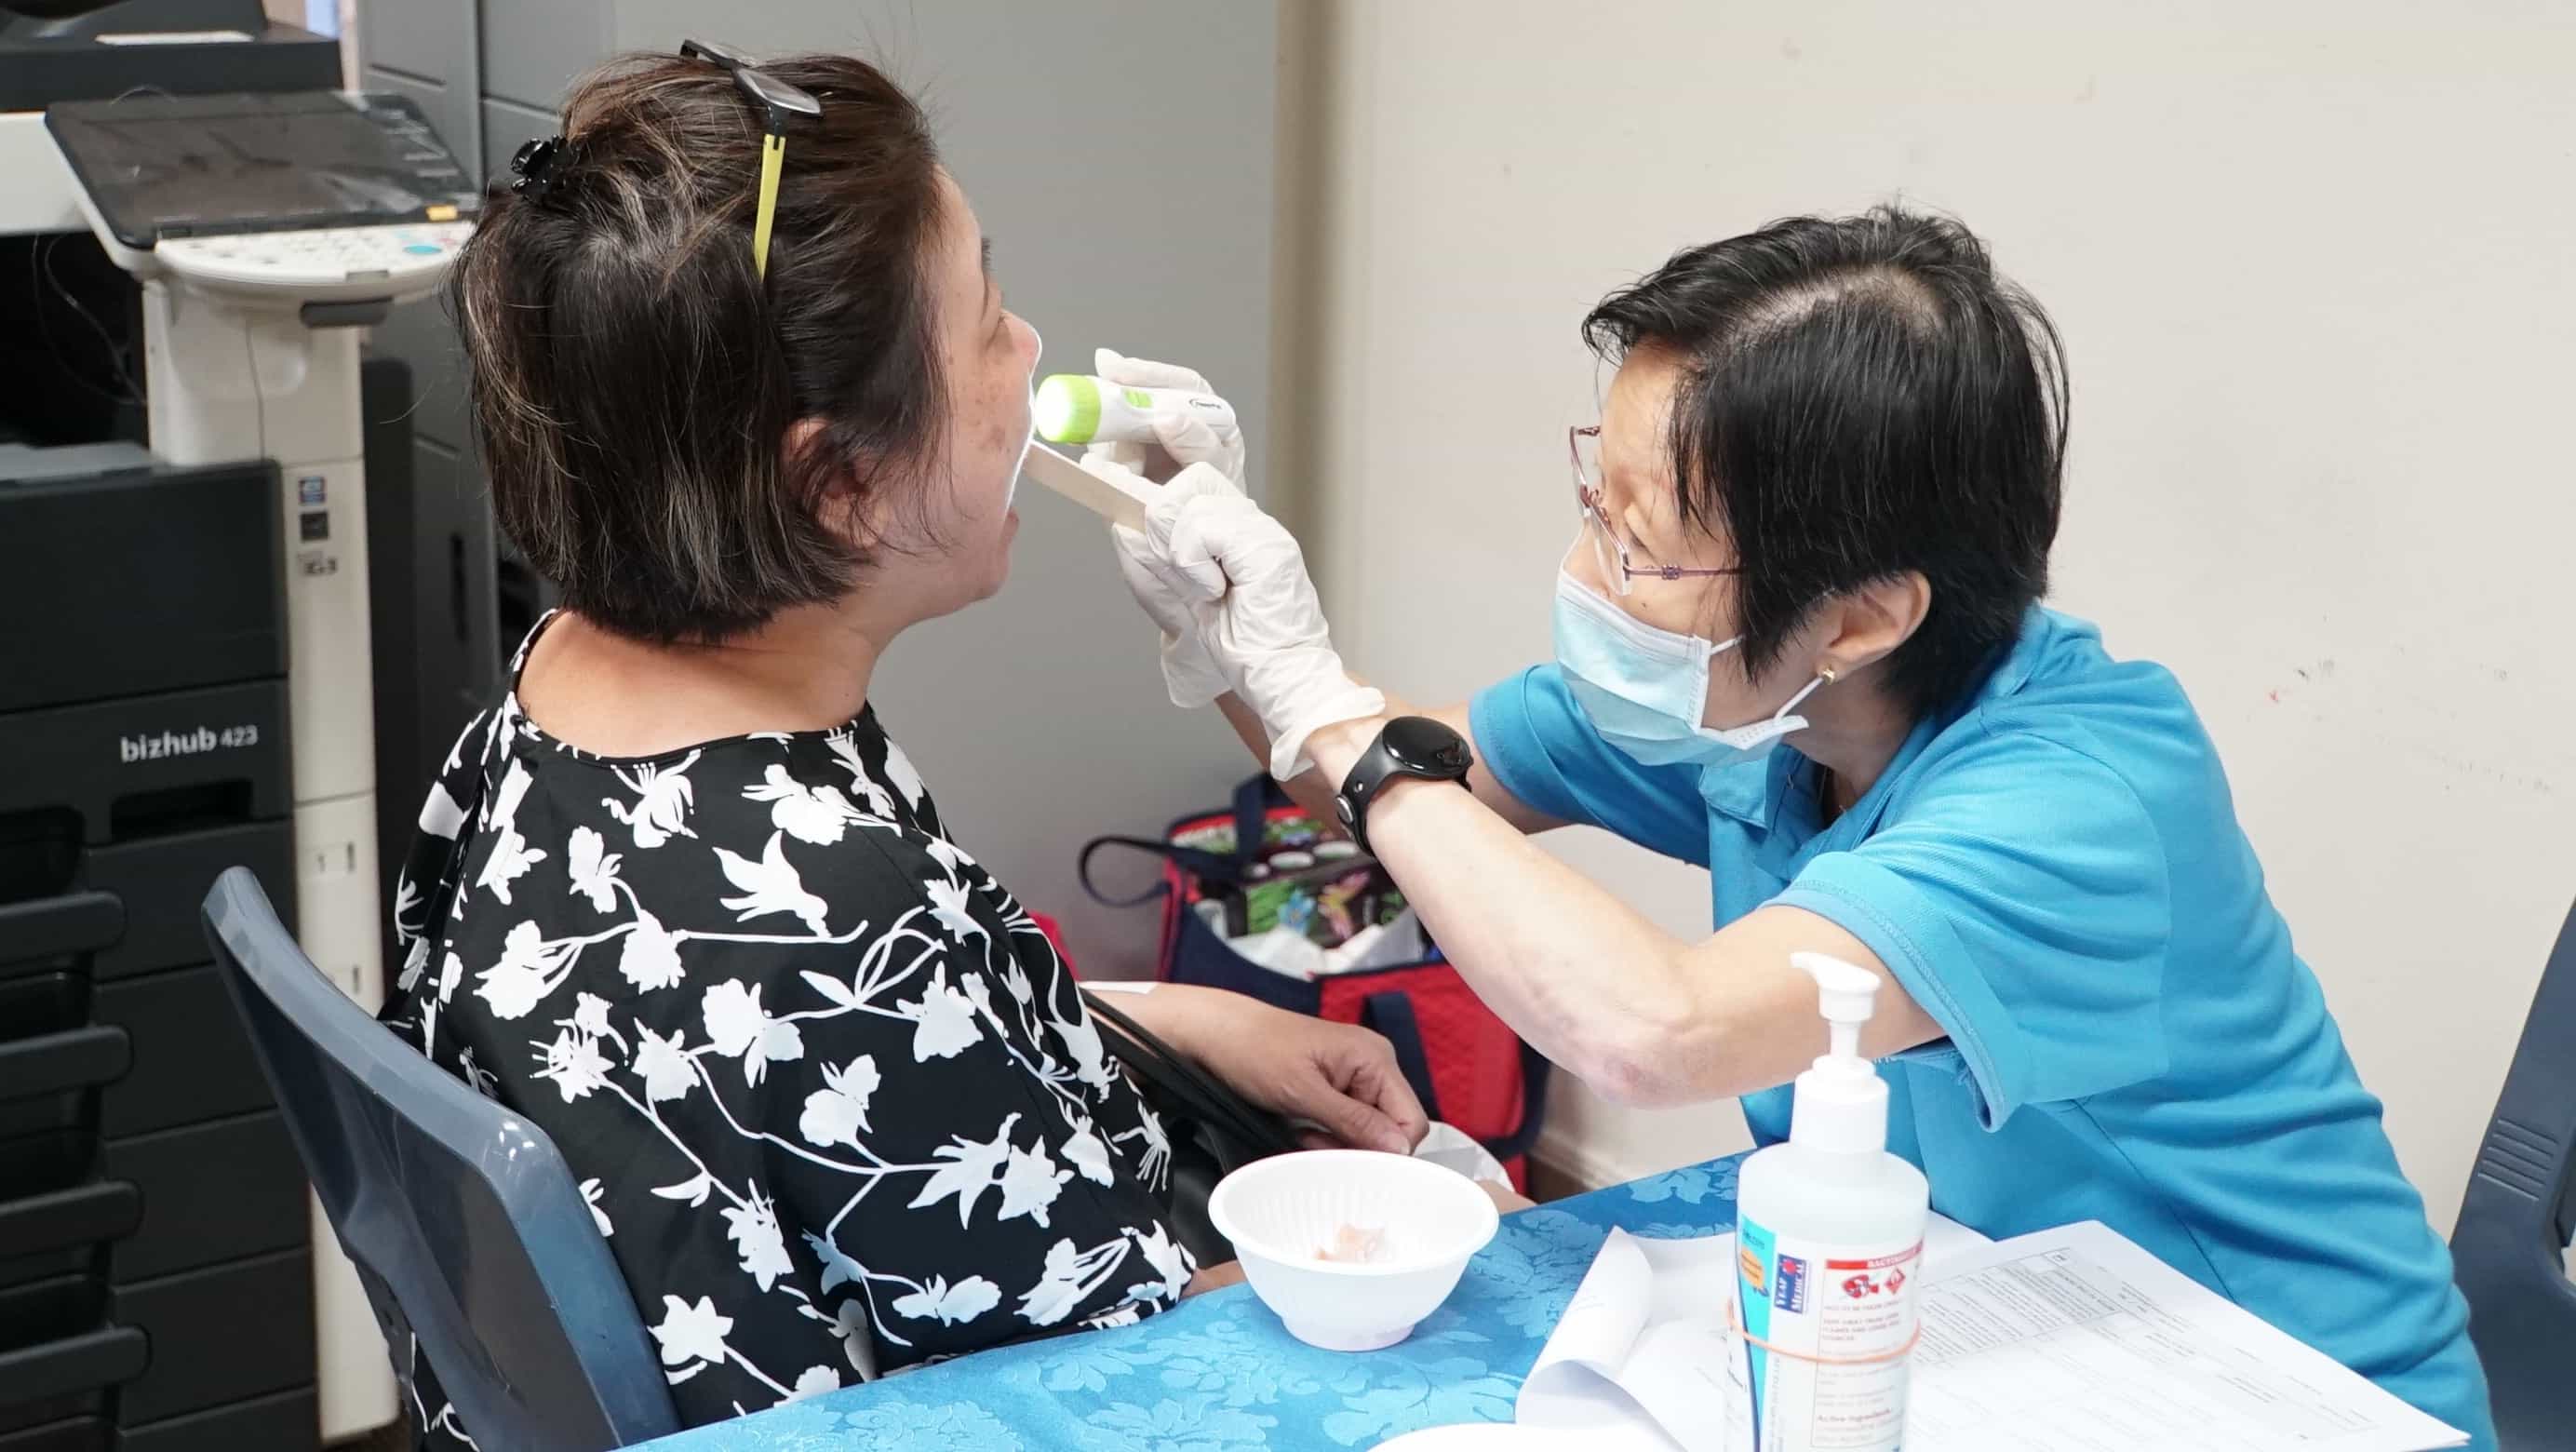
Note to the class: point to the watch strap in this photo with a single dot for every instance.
(1377, 768)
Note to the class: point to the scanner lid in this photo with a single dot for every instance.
(193, 166)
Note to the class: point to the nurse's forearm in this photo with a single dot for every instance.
(1308, 790)
(1313, 789)
(1590, 981)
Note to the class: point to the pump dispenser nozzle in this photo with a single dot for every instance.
(1847, 995)
(1841, 1103)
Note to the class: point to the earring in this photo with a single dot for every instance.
(1827, 674)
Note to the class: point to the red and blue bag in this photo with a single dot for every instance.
(1466, 1065)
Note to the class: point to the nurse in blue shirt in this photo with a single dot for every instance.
(1798, 642)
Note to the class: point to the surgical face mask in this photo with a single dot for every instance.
(1021, 460)
(1645, 689)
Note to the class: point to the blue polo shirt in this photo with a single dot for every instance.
(2054, 870)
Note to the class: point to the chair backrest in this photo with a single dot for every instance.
(464, 1222)
(2517, 1218)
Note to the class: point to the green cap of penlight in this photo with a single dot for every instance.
(1068, 408)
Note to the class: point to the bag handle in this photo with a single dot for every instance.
(1156, 1063)
(1253, 798)
(1391, 1013)
(1524, 1138)
(1188, 859)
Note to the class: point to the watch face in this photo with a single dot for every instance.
(1425, 745)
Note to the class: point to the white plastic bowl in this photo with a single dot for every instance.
(1281, 1212)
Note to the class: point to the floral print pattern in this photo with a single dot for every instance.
(832, 1098)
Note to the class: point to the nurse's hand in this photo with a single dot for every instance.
(1244, 580)
(1184, 439)
(1190, 676)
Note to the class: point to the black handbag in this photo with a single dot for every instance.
(1213, 1130)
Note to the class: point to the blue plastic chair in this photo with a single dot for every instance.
(2516, 1221)
(466, 1226)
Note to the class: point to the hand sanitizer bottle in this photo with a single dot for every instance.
(1829, 1248)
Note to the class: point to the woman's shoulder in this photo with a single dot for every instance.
(842, 805)
(2059, 662)
(757, 861)
(2060, 696)
(776, 835)
(2061, 731)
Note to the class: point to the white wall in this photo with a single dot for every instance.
(2311, 264)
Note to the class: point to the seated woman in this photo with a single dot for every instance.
(677, 898)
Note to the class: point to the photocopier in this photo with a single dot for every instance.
(197, 225)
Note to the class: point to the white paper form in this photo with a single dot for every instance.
(1638, 1361)
(2068, 1340)
(2076, 1340)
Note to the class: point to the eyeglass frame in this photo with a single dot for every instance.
(778, 101)
(1588, 504)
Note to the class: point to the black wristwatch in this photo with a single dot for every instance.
(1408, 746)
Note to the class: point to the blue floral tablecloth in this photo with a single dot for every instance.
(1219, 1374)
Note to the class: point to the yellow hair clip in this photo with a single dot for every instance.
(778, 102)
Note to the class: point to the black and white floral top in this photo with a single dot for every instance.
(833, 1099)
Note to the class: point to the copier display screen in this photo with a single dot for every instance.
(181, 166)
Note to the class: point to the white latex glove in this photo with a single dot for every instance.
(1185, 440)
(1245, 581)
(1189, 677)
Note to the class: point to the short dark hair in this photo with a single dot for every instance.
(1861, 397)
(634, 380)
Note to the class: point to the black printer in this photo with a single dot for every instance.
(80, 50)
(155, 1263)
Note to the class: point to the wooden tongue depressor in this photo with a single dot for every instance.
(1113, 502)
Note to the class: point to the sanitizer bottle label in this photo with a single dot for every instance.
(1822, 1335)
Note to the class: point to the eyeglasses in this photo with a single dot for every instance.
(778, 101)
(1609, 551)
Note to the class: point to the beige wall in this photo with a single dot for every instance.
(2311, 263)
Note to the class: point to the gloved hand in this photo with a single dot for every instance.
(1189, 677)
(1244, 579)
(1184, 440)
